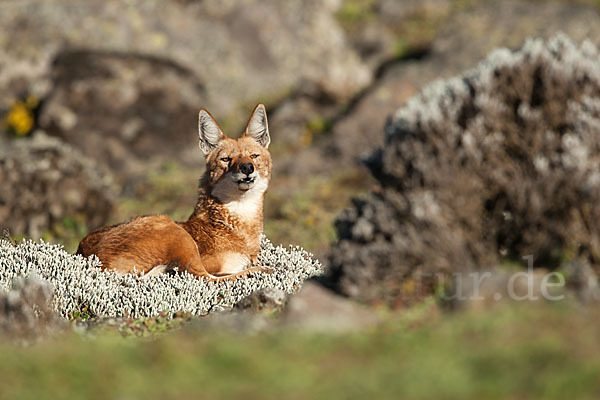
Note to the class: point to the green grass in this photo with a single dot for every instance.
(546, 352)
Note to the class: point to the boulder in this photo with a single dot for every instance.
(26, 312)
(496, 164)
(463, 37)
(123, 81)
(123, 109)
(242, 51)
(44, 181)
(317, 309)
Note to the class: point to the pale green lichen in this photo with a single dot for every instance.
(80, 284)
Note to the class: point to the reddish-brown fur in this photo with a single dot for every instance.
(224, 230)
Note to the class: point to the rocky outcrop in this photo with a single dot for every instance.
(26, 312)
(123, 109)
(463, 37)
(242, 51)
(44, 180)
(123, 81)
(382, 30)
(496, 164)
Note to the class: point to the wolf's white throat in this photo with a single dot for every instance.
(242, 203)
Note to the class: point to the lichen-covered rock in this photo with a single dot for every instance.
(124, 80)
(82, 288)
(44, 180)
(123, 109)
(240, 50)
(26, 309)
(499, 163)
(466, 36)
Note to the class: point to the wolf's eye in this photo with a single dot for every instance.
(226, 159)
(254, 156)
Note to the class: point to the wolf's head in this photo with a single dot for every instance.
(237, 169)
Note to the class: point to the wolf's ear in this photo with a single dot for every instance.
(258, 127)
(209, 132)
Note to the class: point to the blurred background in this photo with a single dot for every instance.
(98, 123)
(113, 89)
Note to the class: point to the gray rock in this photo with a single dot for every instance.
(242, 51)
(123, 81)
(382, 30)
(582, 279)
(26, 310)
(44, 180)
(315, 308)
(465, 37)
(123, 109)
(498, 163)
(270, 299)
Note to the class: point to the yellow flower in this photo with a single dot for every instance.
(20, 118)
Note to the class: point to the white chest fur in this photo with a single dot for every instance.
(234, 262)
(243, 204)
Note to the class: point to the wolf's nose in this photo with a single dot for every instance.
(247, 168)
